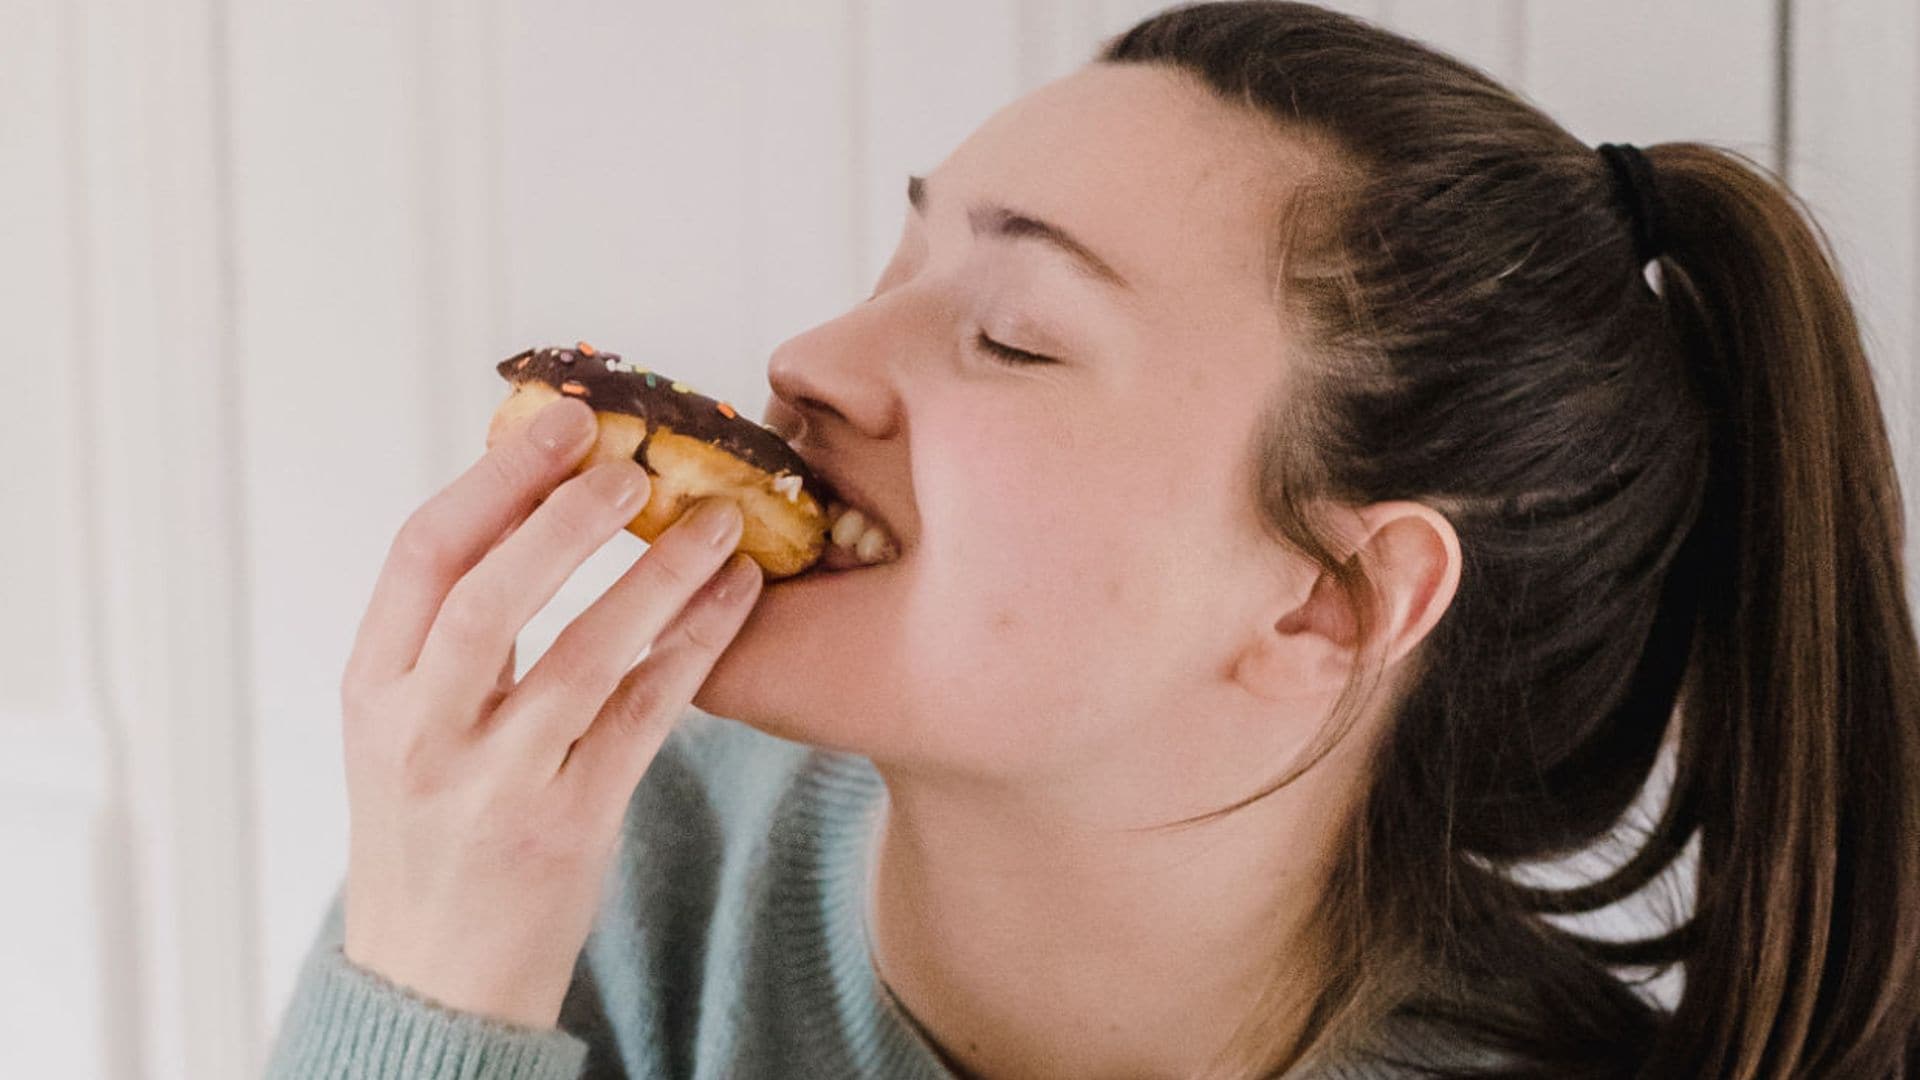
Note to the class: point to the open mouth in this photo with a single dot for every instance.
(858, 537)
(856, 540)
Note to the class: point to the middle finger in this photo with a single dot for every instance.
(486, 610)
(567, 686)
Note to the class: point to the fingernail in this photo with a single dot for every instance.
(619, 482)
(716, 521)
(558, 425)
(735, 578)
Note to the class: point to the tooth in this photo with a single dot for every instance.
(872, 543)
(848, 529)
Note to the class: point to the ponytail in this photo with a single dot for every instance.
(1679, 525)
(1799, 749)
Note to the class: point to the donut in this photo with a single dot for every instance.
(692, 446)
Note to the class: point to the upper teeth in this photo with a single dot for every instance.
(868, 540)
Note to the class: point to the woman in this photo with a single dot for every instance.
(1312, 515)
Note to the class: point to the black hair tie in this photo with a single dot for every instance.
(1633, 185)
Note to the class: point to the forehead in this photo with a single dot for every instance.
(1174, 187)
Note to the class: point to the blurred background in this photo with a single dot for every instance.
(260, 257)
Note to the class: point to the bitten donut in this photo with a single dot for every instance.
(692, 446)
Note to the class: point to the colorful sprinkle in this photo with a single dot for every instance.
(573, 387)
(726, 410)
(585, 349)
(681, 388)
(649, 376)
(521, 363)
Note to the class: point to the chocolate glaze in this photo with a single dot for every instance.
(685, 412)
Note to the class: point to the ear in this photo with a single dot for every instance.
(1310, 647)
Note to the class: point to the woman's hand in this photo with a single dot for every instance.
(484, 812)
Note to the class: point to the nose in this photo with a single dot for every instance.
(834, 374)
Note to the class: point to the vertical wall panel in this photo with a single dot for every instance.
(63, 1003)
(1856, 160)
(1375, 10)
(936, 73)
(1647, 71)
(39, 195)
(166, 512)
(804, 78)
(626, 151)
(464, 271)
(1489, 34)
(1111, 17)
(337, 358)
(1052, 38)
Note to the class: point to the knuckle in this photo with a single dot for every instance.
(422, 541)
(672, 570)
(471, 617)
(578, 513)
(585, 679)
(356, 698)
(548, 849)
(706, 633)
(359, 728)
(525, 837)
(640, 700)
(415, 765)
(512, 465)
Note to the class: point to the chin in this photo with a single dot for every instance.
(817, 660)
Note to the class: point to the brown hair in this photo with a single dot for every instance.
(1680, 527)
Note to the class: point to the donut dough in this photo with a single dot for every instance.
(692, 446)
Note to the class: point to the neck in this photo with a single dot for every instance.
(1026, 940)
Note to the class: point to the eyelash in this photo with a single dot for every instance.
(1007, 354)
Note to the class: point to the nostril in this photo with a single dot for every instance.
(784, 420)
(808, 407)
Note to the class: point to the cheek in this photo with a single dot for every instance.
(1048, 566)
(1045, 529)
(1057, 604)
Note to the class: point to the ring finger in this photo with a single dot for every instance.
(566, 687)
(485, 611)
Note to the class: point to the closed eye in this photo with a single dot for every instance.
(1010, 355)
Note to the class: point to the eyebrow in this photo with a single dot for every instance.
(988, 219)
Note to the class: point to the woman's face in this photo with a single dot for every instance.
(1082, 556)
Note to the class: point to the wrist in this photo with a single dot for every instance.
(522, 995)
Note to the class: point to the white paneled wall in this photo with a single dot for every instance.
(260, 257)
(125, 684)
(1855, 137)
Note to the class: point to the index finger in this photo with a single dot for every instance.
(452, 531)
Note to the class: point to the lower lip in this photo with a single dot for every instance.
(817, 577)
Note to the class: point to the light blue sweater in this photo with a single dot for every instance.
(730, 943)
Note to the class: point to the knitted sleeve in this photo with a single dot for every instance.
(345, 1021)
